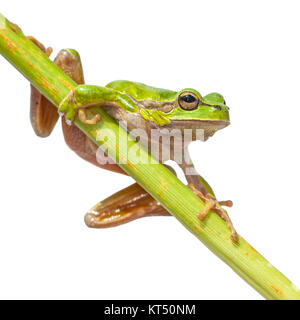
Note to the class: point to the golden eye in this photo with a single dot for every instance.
(188, 100)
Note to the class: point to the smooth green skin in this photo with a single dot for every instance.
(130, 96)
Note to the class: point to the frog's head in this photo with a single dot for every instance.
(187, 109)
(209, 113)
(190, 105)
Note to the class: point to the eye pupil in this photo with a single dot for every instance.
(188, 98)
(188, 101)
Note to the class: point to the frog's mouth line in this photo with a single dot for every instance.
(202, 124)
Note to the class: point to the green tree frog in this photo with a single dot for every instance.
(138, 106)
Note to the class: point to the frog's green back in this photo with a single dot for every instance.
(140, 91)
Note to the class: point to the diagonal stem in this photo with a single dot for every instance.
(151, 175)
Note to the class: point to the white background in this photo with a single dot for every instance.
(247, 50)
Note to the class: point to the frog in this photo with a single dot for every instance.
(137, 106)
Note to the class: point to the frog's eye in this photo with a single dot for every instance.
(188, 101)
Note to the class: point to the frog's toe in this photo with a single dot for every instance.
(82, 116)
(226, 203)
(90, 220)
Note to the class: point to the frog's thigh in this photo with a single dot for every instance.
(124, 206)
(43, 113)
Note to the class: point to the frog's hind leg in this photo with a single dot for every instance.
(43, 114)
(124, 206)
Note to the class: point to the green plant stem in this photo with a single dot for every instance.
(151, 175)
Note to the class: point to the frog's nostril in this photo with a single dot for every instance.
(218, 107)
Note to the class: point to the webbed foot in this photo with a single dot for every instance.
(212, 204)
(124, 206)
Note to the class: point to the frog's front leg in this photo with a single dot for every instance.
(203, 190)
(212, 204)
(84, 96)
